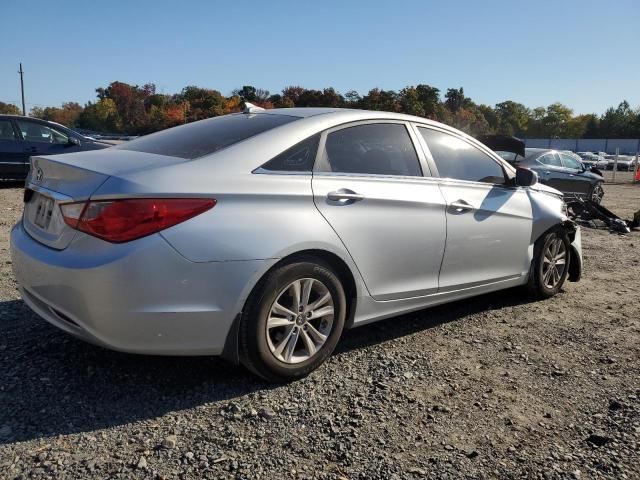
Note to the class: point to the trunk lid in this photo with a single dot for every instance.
(73, 177)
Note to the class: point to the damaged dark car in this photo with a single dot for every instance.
(559, 169)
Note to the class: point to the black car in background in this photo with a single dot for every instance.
(561, 170)
(22, 137)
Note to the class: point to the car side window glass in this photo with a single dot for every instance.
(458, 159)
(6, 130)
(376, 149)
(299, 158)
(36, 132)
(570, 162)
(551, 159)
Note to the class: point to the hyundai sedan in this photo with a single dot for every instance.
(261, 236)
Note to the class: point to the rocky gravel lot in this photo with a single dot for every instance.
(493, 387)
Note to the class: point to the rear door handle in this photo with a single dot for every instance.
(460, 206)
(344, 195)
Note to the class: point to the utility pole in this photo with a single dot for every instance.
(21, 72)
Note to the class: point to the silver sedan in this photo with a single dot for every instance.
(261, 236)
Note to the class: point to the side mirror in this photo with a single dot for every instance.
(526, 177)
(73, 142)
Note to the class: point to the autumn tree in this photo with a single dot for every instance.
(202, 102)
(9, 109)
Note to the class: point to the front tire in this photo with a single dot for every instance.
(550, 265)
(292, 321)
(596, 193)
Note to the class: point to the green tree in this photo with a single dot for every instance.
(619, 122)
(512, 118)
(352, 99)
(592, 128)
(410, 102)
(454, 99)
(491, 118)
(384, 100)
(430, 100)
(556, 121)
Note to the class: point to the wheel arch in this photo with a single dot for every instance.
(575, 262)
(339, 265)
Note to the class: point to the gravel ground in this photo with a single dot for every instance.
(493, 387)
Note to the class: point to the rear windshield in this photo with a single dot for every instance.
(205, 136)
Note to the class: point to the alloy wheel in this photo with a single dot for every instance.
(597, 194)
(300, 320)
(554, 264)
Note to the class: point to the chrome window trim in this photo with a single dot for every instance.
(263, 171)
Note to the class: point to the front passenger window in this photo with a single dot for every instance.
(551, 159)
(458, 159)
(375, 149)
(570, 162)
(35, 132)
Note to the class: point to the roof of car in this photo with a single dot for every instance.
(346, 113)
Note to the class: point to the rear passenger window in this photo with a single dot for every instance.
(298, 158)
(376, 149)
(460, 160)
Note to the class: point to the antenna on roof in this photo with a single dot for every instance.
(251, 108)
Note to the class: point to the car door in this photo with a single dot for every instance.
(41, 139)
(368, 184)
(489, 222)
(576, 182)
(551, 171)
(12, 156)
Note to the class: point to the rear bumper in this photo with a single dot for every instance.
(139, 297)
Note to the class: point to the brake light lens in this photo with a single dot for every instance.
(123, 220)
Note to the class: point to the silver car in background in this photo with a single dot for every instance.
(261, 236)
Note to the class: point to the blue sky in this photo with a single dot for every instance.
(585, 54)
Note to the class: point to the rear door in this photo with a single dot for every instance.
(489, 223)
(368, 183)
(12, 156)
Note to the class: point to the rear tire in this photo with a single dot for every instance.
(550, 265)
(292, 320)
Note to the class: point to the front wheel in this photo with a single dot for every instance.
(596, 193)
(292, 321)
(550, 265)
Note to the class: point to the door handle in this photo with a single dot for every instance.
(32, 149)
(460, 206)
(345, 196)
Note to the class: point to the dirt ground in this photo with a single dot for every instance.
(493, 387)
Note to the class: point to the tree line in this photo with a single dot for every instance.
(138, 110)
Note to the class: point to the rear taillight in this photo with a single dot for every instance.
(124, 220)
